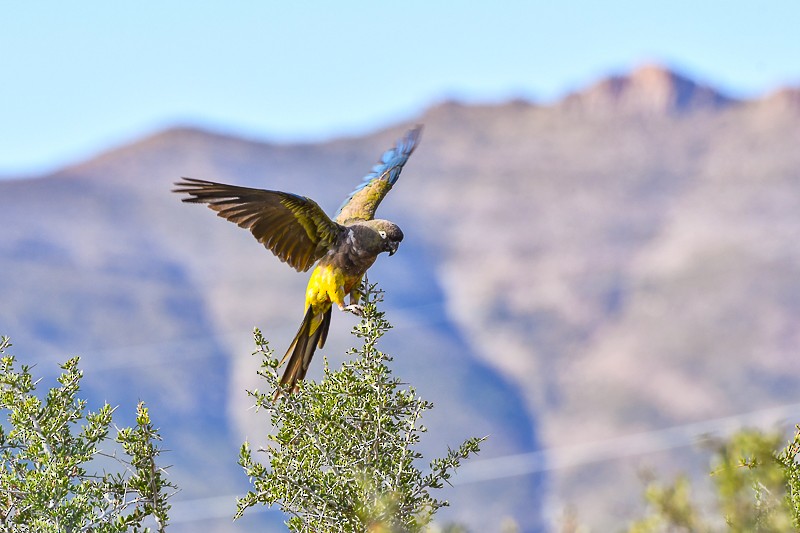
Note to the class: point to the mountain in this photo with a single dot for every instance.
(618, 262)
(651, 89)
(160, 299)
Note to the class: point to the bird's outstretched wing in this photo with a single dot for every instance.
(292, 227)
(362, 202)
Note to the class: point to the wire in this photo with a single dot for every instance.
(483, 470)
(619, 447)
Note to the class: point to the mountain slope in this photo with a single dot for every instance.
(161, 297)
(620, 261)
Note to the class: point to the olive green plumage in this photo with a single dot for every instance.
(298, 232)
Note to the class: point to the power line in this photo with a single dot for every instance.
(182, 349)
(619, 447)
(482, 470)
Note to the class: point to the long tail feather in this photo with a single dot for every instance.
(326, 323)
(301, 350)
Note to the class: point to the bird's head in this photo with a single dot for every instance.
(387, 235)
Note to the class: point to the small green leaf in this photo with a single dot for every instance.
(344, 457)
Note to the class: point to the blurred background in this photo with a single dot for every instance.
(600, 263)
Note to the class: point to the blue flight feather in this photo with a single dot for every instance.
(391, 162)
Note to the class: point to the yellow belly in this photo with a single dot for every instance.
(327, 285)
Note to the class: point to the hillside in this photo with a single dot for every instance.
(620, 261)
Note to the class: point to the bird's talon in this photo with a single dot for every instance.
(355, 309)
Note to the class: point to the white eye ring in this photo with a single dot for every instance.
(382, 234)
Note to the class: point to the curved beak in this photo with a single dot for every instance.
(393, 247)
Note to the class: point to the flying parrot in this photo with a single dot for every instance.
(298, 232)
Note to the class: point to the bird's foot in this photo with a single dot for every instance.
(355, 309)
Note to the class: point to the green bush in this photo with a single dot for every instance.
(756, 488)
(342, 455)
(52, 452)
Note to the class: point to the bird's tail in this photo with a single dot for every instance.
(302, 350)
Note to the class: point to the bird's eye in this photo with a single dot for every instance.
(382, 234)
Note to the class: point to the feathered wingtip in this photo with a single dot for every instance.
(394, 158)
(391, 162)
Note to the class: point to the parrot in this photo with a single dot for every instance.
(298, 232)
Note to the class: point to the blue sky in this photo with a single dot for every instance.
(79, 77)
